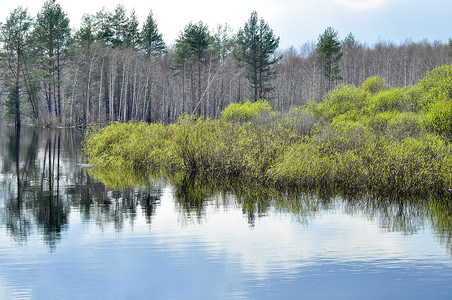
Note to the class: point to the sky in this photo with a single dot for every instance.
(296, 22)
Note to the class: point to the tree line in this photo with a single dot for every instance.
(112, 69)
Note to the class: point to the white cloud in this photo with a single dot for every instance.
(361, 4)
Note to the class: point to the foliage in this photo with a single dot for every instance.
(10, 103)
(14, 37)
(256, 46)
(52, 37)
(329, 51)
(104, 71)
(245, 111)
(438, 117)
(341, 100)
(129, 146)
(151, 40)
(374, 84)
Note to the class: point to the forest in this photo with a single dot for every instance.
(114, 69)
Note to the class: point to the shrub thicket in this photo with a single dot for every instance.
(368, 138)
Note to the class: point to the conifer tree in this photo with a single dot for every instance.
(14, 36)
(181, 58)
(132, 34)
(52, 36)
(256, 48)
(190, 51)
(329, 53)
(198, 39)
(117, 25)
(150, 39)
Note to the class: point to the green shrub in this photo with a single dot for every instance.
(438, 117)
(436, 86)
(379, 122)
(405, 125)
(245, 111)
(133, 146)
(388, 100)
(298, 121)
(341, 100)
(374, 84)
(303, 164)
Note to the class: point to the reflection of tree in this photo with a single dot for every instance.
(33, 202)
(254, 199)
(16, 220)
(17, 163)
(44, 164)
(119, 205)
(51, 182)
(149, 201)
(50, 211)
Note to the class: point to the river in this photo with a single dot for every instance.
(66, 235)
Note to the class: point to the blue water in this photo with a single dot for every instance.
(71, 237)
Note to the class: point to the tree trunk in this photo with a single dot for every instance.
(17, 117)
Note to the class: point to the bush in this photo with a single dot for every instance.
(341, 100)
(388, 100)
(134, 146)
(436, 86)
(374, 84)
(438, 117)
(245, 111)
(405, 125)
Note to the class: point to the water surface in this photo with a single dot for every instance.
(65, 235)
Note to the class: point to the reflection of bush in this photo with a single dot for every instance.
(193, 194)
(117, 180)
(440, 212)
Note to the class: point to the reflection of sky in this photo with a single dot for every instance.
(221, 256)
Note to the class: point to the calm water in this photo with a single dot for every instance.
(68, 236)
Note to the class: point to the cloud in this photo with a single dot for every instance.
(361, 4)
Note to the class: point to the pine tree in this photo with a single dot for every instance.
(223, 41)
(14, 36)
(190, 51)
(118, 24)
(256, 47)
(131, 34)
(52, 34)
(99, 25)
(150, 39)
(151, 43)
(329, 53)
(86, 35)
(198, 39)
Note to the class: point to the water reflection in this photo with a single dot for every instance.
(194, 195)
(109, 235)
(33, 198)
(42, 181)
